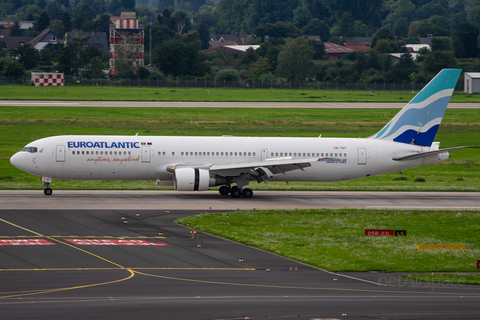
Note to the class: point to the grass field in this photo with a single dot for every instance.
(98, 93)
(22, 125)
(335, 239)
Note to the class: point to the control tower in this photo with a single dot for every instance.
(126, 40)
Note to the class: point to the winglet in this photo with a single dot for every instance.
(417, 123)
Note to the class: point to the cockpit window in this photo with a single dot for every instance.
(30, 149)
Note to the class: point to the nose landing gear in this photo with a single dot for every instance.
(48, 191)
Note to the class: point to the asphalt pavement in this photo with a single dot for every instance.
(80, 264)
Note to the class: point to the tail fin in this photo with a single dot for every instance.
(417, 123)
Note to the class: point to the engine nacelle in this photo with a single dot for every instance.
(191, 179)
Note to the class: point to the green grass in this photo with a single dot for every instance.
(99, 93)
(21, 125)
(445, 278)
(335, 239)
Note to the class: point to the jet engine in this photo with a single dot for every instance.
(195, 179)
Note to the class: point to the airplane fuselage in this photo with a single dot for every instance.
(148, 157)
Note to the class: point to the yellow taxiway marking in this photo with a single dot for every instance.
(32, 292)
(15, 225)
(303, 288)
(61, 242)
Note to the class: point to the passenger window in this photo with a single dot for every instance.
(173, 153)
(73, 152)
(254, 154)
(129, 152)
(87, 152)
(83, 152)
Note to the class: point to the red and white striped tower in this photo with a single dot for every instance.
(126, 40)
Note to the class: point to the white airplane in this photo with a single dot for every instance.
(197, 163)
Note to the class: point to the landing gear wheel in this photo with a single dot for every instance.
(48, 191)
(235, 193)
(247, 193)
(224, 190)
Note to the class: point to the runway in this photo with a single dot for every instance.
(212, 200)
(206, 104)
(187, 278)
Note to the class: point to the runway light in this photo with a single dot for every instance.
(344, 314)
(240, 260)
(268, 270)
(123, 218)
(334, 279)
(160, 233)
(291, 269)
(167, 211)
(199, 245)
(125, 221)
(138, 214)
(296, 268)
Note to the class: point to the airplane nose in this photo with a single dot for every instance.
(15, 160)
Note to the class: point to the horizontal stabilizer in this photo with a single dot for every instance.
(424, 154)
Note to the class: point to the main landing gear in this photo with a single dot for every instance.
(236, 192)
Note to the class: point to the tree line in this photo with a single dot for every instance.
(183, 29)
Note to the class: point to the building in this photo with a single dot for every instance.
(97, 39)
(334, 51)
(24, 25)
(472, 82)
(11, 43)
(46, 37)
(229, 40)
(126, 40)
(356, 45)
(233, 50)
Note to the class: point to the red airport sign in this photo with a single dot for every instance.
(113, 242)
(375, 233)
(478, 264)
(25, 242)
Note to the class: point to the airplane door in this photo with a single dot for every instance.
(60, 152)
(146, 154)
(362, 155)
(264, 153)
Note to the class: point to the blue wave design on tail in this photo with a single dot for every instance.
(417, 123)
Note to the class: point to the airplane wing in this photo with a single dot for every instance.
(424, 154)
(275, 166)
